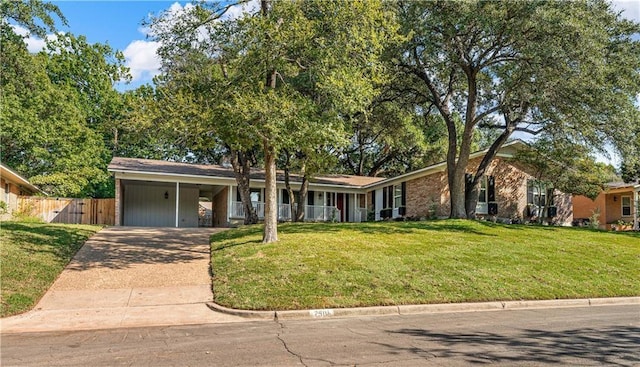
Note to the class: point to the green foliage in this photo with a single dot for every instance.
(42, 129)
(567, 167)
(514, 66)
(36, 16)
(4, 208)
(58, 106)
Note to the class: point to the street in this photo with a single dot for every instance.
(590, 336)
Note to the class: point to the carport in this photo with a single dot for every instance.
(167, 194)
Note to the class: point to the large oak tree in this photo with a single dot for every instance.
(568, 69)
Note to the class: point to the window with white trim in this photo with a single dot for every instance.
(482, 191)
(536, 194)
(626, 206)
(256, 195)
(397, 196)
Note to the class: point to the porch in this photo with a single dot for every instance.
(312, 213)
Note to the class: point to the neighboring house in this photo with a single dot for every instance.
(159, 193)
(616, 207)
(13, 185)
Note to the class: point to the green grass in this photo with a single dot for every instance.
(33, 255)
(393, 263)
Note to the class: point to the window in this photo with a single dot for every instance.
(536, 193)
(256, 195)
(330, 199)
(397, 196)
(626, 206)
(482, 191)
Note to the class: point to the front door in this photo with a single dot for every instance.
(340, 205)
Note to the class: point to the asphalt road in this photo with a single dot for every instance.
(592, 336)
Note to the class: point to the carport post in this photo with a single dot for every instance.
(636, 209)
(177, 201)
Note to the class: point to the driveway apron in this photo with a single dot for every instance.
(130, 276)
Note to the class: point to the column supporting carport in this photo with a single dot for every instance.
(636, 209)
(177, 202)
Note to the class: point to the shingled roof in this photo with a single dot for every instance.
(120, 164)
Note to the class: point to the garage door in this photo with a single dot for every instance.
(149, 204)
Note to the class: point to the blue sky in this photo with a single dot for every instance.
(118, 23)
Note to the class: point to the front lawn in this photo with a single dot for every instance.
(392, 263)
(32, 256)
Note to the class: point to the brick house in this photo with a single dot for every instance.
(13, 185)
(506, 193)
(617, 207)
(158, 193)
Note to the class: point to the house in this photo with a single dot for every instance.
(615, 208)
(507, 192)
(13, 185)
(159, 193)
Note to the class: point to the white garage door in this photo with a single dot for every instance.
(148, 204)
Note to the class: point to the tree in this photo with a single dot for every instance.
(58, 105)
(36, 16)
(552, 168)
(514, 66)
(272, 82)
(391, 140)
(42, 128)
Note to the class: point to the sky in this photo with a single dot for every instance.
(119, 24)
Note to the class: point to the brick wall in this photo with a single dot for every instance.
(510, 185)
(220, 207)
(118, 203)
(426, 192)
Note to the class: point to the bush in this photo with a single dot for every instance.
(594, 219)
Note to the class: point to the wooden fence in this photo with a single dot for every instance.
(65, 210)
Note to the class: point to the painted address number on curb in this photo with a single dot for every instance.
(321, 313)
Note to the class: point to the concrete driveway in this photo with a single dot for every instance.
(130, 276)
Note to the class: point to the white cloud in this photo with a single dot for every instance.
(237, 11)
(34, 44)
(141, 55)
(630, 8)
(142, 59)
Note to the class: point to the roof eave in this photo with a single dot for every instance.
(440, 167)
(23, 182)
(171, 177)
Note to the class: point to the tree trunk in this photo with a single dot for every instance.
(271, 192)
(471, 197)
(456, 178)
(302, 197)
(471, 194)
(241, 170)
(287, 185)
(270, 205)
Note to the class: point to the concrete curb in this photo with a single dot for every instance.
(248, 314)
(425, 309)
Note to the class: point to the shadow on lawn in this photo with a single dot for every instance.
(63, 242)
(386, 228)
(612, 346)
